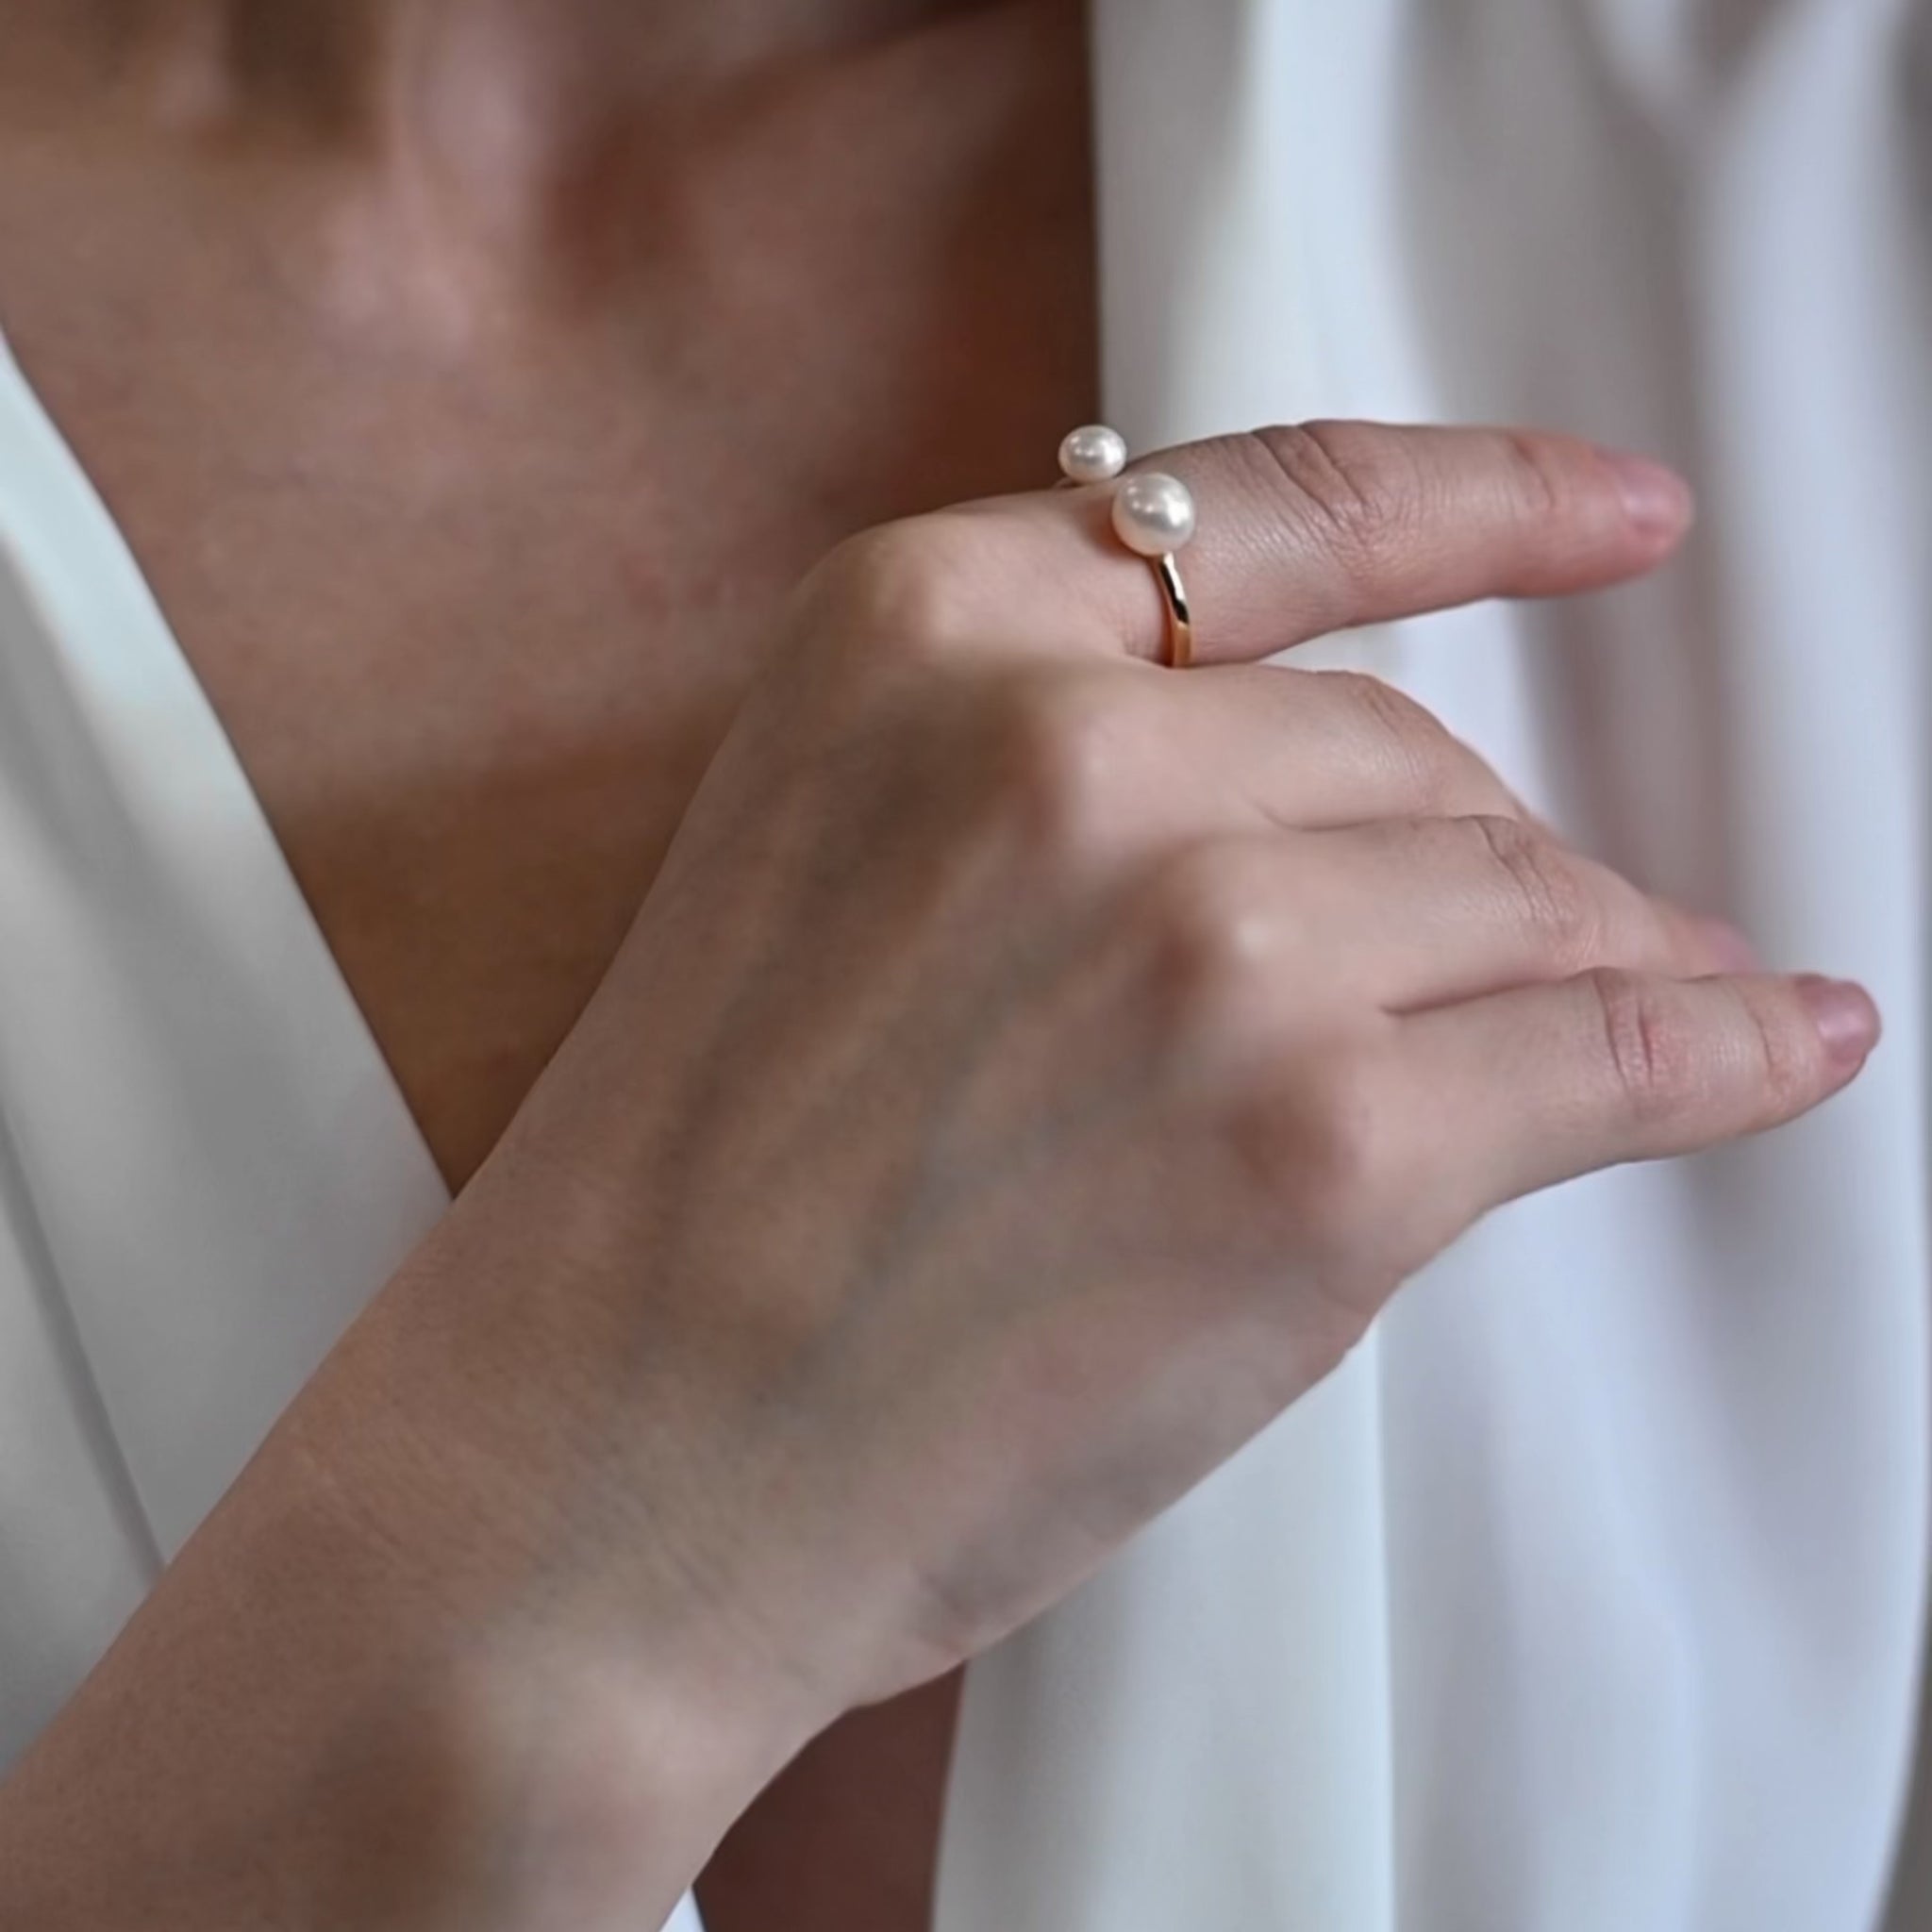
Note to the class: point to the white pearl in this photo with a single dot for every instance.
(1093, 455)
(1153, 514)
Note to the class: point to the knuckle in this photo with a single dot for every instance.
(1785, 1045)
(1651, 1050)
(1318, 1146)
(1540, 481)
(1209, 937)
(1417, 748)
(1058, 751)
(1350, 485)
(908, 586)
(1341, 1182)
(1552, 897)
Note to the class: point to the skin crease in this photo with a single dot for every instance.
(487, 269)
(583, 341)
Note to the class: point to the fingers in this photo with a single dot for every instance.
(1324, 748)
(1420, 913)
(1317, 529)
(1522, 1089)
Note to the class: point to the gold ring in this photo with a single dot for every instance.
(1153, 515)
(1180, 620)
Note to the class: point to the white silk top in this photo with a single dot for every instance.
(1588, 1596)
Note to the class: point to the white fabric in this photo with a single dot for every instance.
(205, 1165)
(1587, 1597)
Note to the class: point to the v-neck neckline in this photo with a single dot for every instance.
(225, 1165)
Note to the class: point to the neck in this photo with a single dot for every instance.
(469, 74)
(489, 145)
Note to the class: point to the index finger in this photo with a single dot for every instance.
(1326, 525)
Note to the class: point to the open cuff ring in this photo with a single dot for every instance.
(1153, 515)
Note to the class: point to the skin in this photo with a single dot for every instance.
(530, 347)
(611, 1505)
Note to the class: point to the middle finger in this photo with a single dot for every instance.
(1317, 749)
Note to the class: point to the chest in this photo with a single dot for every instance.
(474, 587)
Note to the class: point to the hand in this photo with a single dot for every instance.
(1035, 1068)
(1032, 1071)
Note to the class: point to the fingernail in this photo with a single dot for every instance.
(1847, 1018)
(1732, 951)
(1658, 501)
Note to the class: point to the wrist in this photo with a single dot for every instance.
(522, 1747)
(549, 1783)
(588, 1714)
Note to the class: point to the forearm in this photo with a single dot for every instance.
(380, 1690)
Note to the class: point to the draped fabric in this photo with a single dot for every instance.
(206, 1167)
(1587, 1597)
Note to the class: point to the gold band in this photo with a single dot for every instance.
(1180, 620)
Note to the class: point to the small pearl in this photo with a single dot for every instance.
(1153, 514)
(1093, 455)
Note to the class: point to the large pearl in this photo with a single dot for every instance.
(1153, 514)
(1093, 455)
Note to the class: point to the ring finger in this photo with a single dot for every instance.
(1410, 915)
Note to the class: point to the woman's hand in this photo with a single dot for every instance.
(1035, 1068)
(1031, 1072)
